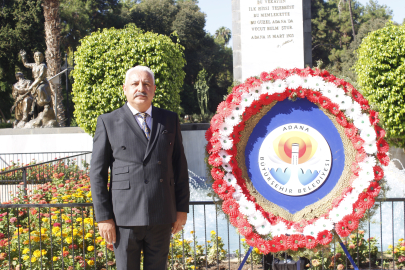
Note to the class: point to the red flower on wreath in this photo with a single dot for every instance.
(357, 142)
(352, 222)
(383, 158)
(334, 108)
(245, 229)
(357, 96)
(227, 194)
(301, 93)
(313, 96)
(324, 237)
(238, 128)
(265, 77)
(360, 155)
(355, 168)
(230, 207)
(358, 212)
(279, 74)
(374, 117)
(310, 242)
(299, 227)
(208, 134)
(382, 146)
(341, 119)
(379, 132)
(234, 98)
(263, 246)
(366, 201)
(219, 185)
(342, 228)
(350, 131)
(295, 241)
(374, 189)
(224, 108)
(215, 147)
(252, 239)
(324, 102)
(215, 160)
(274, 246)
(281, 240)
(378, 173)
(279, 96)
(216, 121)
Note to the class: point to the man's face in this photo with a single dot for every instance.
(139, 90)
(37, 58)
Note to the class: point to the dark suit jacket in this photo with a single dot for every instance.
(149, 179)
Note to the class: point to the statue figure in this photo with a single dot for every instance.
(40, 90)
(23, 97)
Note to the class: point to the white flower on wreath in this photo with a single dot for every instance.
(361, 184)
(336, 215)
(323, 224)
(268, 88)
(237, 194)
(256, 92)
(225, 129)
(338, 95)
(311, 230)
(247, 100)
(230, 179)
(362, 122)
(227, 167)
(345, 208)
(279, 229)
(256, 219)
(294, 81)
(345, 103)
(264, 228)
(352, 196)
(354, 111)
(368, 134)
(369, 161)
(316, 83)
(238, 110)
(328, 90)
(246, 207)
(233, 119)
(224, 156)
(367, 172)
(279, 86)
(306, 82)
(226, 142)
(370, 147)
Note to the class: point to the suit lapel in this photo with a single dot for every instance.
(156, 127)
(130, 119)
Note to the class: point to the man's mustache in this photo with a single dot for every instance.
(140, 94)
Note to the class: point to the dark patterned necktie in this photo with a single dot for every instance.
(144, 126)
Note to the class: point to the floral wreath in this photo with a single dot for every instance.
(264, 230)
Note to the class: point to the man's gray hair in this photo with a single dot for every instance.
(140, 68)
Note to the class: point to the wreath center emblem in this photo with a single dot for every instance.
(295, 159)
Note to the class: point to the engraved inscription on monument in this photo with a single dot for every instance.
(271, 35)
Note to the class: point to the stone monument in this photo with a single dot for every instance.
(268, 34)
(33, 95)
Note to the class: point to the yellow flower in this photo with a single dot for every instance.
(43, 230)
(400, 240)
(192, 232)
(88, 235)
(88, 221)
(219, 238)
(102, 243)
(212, 232)
(88, 194)
(208, 241)
(79, 219)
(44, 252)
(179, 256)
(45, 219)
(243, 239)
(26, 257)
(390, 246)
(54, 217)
(90, 248)
(402, 248)
(54, 258)
(55, 230)
(26, 250)
(68, 240)
(99, 238)
(396, 250)
(37, 253)
(90, 262)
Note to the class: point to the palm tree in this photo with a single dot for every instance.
(224, 34)
(52, 54)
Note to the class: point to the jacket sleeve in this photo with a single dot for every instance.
(180, 170)
(100, 163)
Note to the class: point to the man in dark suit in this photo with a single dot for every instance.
(148, 195)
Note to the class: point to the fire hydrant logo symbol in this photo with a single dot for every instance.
(295, 159)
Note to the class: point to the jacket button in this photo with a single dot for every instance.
(123, 147)
(159, 162)
(170, 143)
(146, 181)
(161, 180)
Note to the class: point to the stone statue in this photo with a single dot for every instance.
(23, 97)
(41, 92)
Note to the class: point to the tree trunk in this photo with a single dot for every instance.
(351, 18)
(52, 54)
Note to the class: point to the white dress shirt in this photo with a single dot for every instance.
(139, 118)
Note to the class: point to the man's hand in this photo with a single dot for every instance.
(180, 222)
(107, 230)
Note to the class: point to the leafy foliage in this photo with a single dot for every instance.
(102, 60)
(381, 76)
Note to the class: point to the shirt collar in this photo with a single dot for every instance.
(135, 111)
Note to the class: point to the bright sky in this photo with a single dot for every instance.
(219, 12)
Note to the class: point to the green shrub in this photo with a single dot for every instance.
(381, 76)
(102, 60)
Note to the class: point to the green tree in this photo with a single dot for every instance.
(21, 27)
(381, 76)
(102, 60)
(223, 34)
